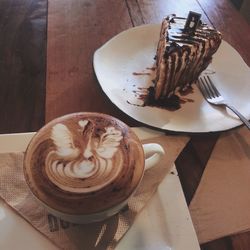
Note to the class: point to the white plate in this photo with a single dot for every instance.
(133, 51)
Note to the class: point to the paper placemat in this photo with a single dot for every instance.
(221, 204)
(102, 235)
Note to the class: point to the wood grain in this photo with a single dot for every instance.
(75, 30)
(192, 162)
(22, 65)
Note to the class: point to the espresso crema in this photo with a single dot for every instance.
(83, 163)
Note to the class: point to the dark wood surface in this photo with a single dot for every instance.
(22, 64)
(46, 52)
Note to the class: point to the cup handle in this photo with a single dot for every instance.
(153, 153)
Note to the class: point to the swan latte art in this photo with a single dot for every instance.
(83, 163)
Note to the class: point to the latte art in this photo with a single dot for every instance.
(69, 166)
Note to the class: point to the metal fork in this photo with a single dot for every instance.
(212, 95)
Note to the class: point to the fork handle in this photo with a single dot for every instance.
(242, 118)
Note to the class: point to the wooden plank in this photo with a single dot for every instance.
(75, 30)
(22, 64)
(192, 162)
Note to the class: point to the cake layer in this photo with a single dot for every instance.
(181, 55)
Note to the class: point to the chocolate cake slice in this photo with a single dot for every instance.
(182, 54)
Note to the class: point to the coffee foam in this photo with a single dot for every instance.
(83, 163)
(98, 163)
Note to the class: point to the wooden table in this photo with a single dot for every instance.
(46, 51)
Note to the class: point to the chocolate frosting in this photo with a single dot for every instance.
(182, 56)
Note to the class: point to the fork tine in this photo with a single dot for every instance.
(215, 90)
(209, 86)
(201, 87)
(204, 88)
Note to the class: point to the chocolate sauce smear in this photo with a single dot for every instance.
(141, 73)
(172, 103)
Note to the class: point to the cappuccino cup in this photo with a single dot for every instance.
(83, 167)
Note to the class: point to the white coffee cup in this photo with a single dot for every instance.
(84, 167)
